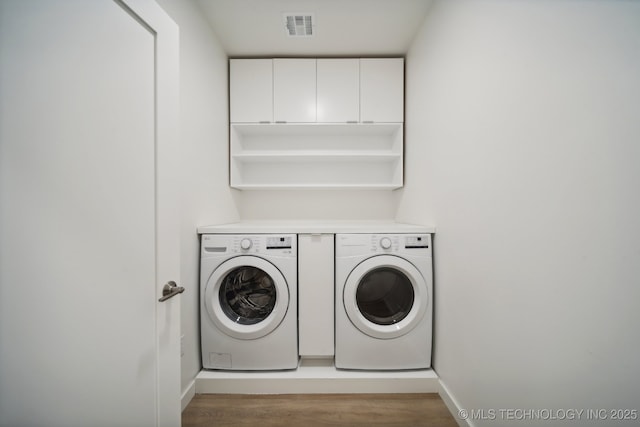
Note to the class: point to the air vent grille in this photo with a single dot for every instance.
(299, 24)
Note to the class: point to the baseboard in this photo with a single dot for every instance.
(453, 406)
(188, 394)
(317, 378)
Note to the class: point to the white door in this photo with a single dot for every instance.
(87, 214)
(382, 90)
(316, 287)
(251, 90)
(294, 90)
(338, 95)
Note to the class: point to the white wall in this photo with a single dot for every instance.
(522, 136)
(206, 197)
(316, 204)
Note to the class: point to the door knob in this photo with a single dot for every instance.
(169, 290)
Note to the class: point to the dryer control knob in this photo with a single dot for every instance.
(245, 243)
(385, 243)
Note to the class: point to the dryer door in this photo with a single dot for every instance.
(246, 297)
(385, 296)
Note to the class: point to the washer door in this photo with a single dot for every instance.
(246, 297)
(385, 296)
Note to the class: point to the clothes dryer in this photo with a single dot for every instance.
(383, 306)
(248, 301)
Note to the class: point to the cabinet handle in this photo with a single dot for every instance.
(281, 121)
(367, 121)
(264, 122)
(352, 121)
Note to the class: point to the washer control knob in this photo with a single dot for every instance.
(245, 243)
(385, 243)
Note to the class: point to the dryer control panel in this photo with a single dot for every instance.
(398, 242)
(357, 244)
(416, 242)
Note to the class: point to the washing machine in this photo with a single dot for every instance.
(384, 306)
(248, 302)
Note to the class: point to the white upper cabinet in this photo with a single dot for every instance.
(308, 90)
(382, 90)
(316, 123)
(338, 93)
(294, 90)
(251, 88)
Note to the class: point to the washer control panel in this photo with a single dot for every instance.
(257, 244)
(245, 244)
(280, 242)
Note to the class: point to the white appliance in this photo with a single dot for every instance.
(248, 301)
(384, 309)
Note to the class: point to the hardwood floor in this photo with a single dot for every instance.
(308, 410)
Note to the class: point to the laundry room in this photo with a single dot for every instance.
(505, 192)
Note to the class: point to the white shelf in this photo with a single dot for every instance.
(264, 130)
(316, 155)
(314, 187)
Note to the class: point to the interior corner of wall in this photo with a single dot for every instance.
(188, 393)
(457, 411)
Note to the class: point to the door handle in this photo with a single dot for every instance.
(170, 289)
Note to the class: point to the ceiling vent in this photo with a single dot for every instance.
(299, 24)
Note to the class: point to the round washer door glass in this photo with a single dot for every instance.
(385, 296)
(246, 297)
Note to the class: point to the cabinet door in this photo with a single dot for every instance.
(382, 90)
(294, 90)
(316, 295)
(251, 87)
(338, 92)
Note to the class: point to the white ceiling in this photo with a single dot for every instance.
(342, 27)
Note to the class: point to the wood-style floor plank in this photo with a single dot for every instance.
(308, 410)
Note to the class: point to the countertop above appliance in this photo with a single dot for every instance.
(315, 227)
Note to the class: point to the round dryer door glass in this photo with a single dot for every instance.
(247, 295)
(385, 296)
